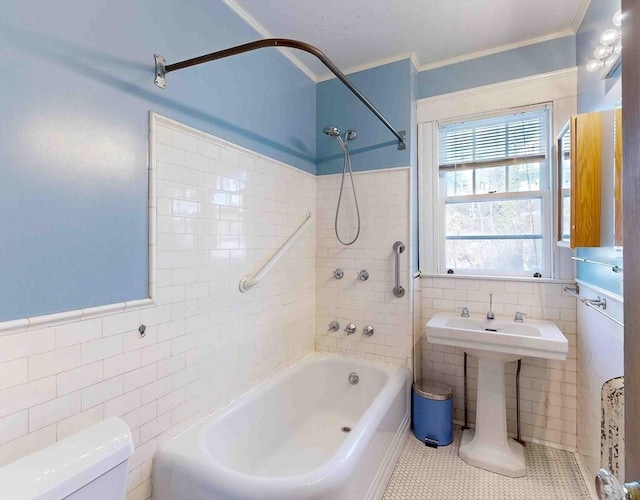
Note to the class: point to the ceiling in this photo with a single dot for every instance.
(356, 34)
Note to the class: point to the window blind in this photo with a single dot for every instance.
(509, 139)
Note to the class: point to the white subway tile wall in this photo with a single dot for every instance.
(383, 199)
(600, 358)
(221, 212)
(548, 388)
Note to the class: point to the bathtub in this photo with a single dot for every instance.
(307, 433)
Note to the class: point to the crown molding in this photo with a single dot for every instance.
(253, 22)
(495, 50)
(582, 11)
(415, 61)
(373, 64)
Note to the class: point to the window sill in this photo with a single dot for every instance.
(521, 279)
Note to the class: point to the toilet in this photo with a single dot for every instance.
(89, 465)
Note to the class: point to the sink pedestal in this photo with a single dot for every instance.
(488, 446)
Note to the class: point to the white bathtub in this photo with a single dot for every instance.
(284, 439)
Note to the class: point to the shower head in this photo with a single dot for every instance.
(332, 131)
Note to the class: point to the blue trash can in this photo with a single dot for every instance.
(432, 413)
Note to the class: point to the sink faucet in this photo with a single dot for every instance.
(490, 314)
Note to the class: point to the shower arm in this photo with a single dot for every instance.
(162, 69)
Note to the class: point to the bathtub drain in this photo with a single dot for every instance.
(346, 429)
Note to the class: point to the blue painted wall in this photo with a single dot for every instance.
(77, 85)
(596, 94)
(388, 87)
(544, 57)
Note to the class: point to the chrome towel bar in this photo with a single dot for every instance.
(251, 281)
(614, 267)
(398, 248)
(599, 303)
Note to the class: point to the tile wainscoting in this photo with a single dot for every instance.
(221, 212)
(383, 198)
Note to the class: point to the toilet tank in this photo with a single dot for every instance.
(91, 464)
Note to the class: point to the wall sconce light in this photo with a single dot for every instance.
(607, 55)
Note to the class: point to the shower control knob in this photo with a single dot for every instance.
(350, 329)
(367, 331)
(334, 326)
(363, 275)
(338, 274)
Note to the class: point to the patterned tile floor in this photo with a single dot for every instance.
(439, 474)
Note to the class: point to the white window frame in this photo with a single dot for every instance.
(544, 194)
(558, 88)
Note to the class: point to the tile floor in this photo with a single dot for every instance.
(439, 474)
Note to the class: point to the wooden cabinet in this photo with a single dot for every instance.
(579, 181)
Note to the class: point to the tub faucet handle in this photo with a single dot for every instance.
(338, 274)
(519, 317)
(334, 326)
(367, 331)
(350, 329)
(363, 275)
(464, 312)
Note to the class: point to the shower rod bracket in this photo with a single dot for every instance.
(162, 69)
(402, 143)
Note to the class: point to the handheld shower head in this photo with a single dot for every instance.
(335, 132)
(332, 131)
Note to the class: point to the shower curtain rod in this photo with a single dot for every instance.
(162, 69)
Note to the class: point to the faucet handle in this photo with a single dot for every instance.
(519, 317)
(465, 312)
(350, 329)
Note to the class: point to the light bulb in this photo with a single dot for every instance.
(617, 18)
(602, 51)
(610, 60)
(609, 36)
(617, 48)
(594, 65)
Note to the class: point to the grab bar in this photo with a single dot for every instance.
(398, 248)
(251, 281)
(599, 303)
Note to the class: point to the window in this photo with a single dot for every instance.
(494, 203)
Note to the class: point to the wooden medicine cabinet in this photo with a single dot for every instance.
(579, 181)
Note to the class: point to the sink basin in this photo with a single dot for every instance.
(495, 342)
(535, 338)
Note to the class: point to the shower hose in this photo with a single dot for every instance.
(347, 163)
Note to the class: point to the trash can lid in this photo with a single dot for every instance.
(432, 390)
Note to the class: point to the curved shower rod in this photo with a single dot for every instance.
(162, 69)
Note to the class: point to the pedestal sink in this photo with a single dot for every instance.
(495, 342)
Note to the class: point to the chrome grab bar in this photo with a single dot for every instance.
(398, 248)
(599, 303)
(250, 281)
